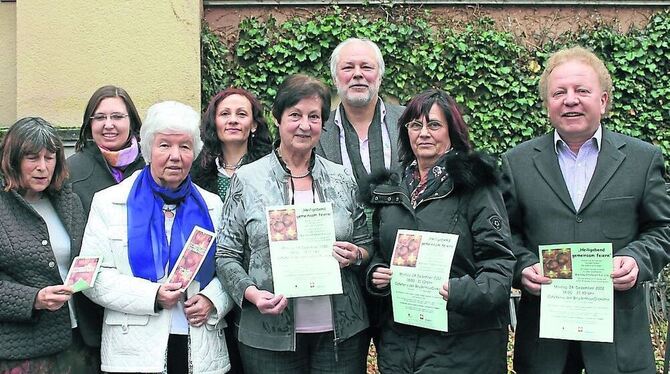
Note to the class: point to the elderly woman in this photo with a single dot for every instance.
(444, 187)
(139, 227)
(107, 150)
(305, 334)
(44, 328)
(234, 133)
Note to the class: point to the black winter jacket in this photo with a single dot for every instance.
(89, 173)
(468, 204)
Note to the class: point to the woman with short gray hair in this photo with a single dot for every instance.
(139, 227)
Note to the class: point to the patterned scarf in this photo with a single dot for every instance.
(436, 176)
(148, 249)
(119, 160)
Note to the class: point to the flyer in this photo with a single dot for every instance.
(579, 302)
(191, 257)
(421, 262)
(82, 273)
(301, 250)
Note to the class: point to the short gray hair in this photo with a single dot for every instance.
(170, 116)
(335, 56)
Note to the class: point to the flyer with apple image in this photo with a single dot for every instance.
(421, 263)
(578, 304)
(82, 273)
(192, 256)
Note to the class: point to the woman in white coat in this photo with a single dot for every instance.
(139, 227)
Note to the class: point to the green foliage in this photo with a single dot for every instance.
(491, 74)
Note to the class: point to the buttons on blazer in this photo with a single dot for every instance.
(52, 264)
(579, 219)
(45, 242)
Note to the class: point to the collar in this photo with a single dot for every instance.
(338, 115)
(597, 138)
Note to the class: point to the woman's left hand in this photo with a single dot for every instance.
(197, 310)
(444, 291)
(345, 253)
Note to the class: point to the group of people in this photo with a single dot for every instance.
(134, 190)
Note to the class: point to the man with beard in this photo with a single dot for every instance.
(362, 133)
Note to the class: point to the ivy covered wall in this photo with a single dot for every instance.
(492, 74)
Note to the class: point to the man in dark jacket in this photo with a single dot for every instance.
(582, 183)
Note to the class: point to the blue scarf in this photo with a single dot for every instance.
(148, 249)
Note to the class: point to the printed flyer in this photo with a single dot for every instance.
(301, 250)
(579, 302)
(421, 263)
(192, 256)
(83, 272)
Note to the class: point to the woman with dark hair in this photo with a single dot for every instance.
(322, 334)
(44, 327)
(444, 187)
(235, 133)
(107, 150)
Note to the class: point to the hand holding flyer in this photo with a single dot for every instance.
(83, 272)
(421, 262)
(192, 256)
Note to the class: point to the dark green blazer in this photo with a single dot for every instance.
(625, 204)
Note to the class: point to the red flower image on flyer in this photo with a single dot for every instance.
(406, 250)
(283, 225)
(557, 263)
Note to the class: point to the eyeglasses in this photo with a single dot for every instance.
(114, 117)
(417, 126)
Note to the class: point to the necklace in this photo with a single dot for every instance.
(168, 210)
(301, 176)
(232, 167)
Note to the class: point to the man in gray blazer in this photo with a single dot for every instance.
(362, 133)
(582, 183)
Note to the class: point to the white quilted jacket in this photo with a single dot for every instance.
(134, 338)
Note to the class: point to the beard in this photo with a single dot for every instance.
(358, 99)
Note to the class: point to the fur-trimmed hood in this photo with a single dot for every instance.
(467, 171)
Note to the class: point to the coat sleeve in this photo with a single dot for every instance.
(490, 287)
(113, 289)
(231, 243)
(524, 256)
(651, 249)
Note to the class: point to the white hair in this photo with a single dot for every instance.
(169, 117)
(335, 56)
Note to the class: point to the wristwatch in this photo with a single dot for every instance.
(359, 256)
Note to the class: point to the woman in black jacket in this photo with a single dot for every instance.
(444, 187)
(44, 328)
(107, 150)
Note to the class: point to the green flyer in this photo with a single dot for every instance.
(420, 263)
(579, 302)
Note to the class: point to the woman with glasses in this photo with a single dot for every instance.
(44, 327)
(444, 187)
(234, 133)
(107, 150)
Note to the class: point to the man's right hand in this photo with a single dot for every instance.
(532, 280)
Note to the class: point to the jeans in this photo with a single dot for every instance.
(314, 354)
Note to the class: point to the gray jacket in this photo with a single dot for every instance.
(243, 252)
(329, 144)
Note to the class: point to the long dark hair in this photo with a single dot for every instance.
(419, 107)
(100, 94)
(260, 144)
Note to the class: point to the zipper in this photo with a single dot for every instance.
(332, 316)
(436, 197)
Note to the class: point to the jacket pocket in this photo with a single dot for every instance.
(619, 217)
(125, 320)
(126, 335)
